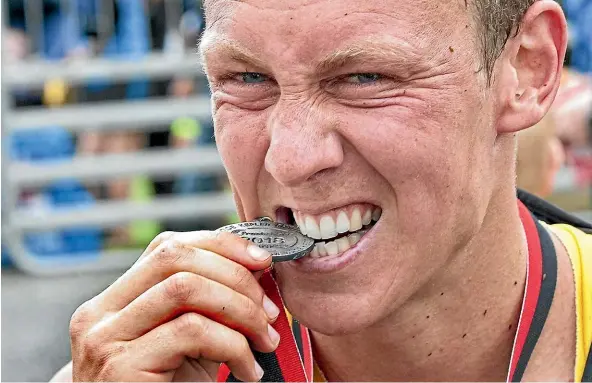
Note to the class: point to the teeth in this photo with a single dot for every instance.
(367, 218)
(315, 253)
(332, 248)
(312, 229)
(342, 222)
(355, 223)
(338, 246)
(376, 214)
(320, 248)
(300, 224)
(328, 229)
(342, 244)
(353, 238)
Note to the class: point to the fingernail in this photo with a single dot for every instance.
(258, 253)
(273, 335)
(259, 371)
(270, 308)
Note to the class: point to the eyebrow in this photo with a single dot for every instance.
(378, 50)
(213, 42)
(375, 50)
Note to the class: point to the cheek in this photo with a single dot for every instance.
(429, 156)
(242, 142)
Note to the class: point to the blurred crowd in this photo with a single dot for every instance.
(55, 30)
(132, 29)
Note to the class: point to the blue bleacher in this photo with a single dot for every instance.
(52, 144)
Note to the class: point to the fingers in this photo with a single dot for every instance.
(223, 257)
(192, 335)
(188, 292)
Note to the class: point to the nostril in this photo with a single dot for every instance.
(284, 215)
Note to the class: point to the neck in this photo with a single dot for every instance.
(459, 326)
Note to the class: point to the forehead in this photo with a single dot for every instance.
(305, 28)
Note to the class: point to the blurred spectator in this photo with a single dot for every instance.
(539, 158)
(17, 46)
(58, 33)
(579, 14)
(187, 132)
(124, 37)
(572, 109)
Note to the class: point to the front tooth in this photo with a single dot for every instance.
(354, 238)
(312, 229)
(342, 224)
(367, 218)
(300, 224)
(327, 227)
(321, 249)
(342, 244)
(332, 248)
(355, 222)
(376, 214)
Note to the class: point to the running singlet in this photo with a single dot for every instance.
(293, 360)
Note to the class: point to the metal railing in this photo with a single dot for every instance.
(103, 116)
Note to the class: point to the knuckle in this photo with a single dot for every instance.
(241, 277)
(109, 361)
(80, 320)
(191, 324)
(168, 253)
(93, 344)
(162, 237)
(182, 286)
(253, 313)
(241, 347)
(220, 238)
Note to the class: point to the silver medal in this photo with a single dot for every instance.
(284, 242)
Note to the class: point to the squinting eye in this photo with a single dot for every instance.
(363, 78)
(253, 77)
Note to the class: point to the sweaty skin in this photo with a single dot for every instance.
(320, 104)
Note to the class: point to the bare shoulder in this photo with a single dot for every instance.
(555, 352)
(64, 374)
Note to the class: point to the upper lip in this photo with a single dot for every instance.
(320, 209)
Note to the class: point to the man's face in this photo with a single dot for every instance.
(333, 111)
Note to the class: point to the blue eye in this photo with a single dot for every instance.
(363, 78)
(253, 77)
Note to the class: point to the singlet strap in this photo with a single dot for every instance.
(541, 281)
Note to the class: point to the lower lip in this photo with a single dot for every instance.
(333, 263)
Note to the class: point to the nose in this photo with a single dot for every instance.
(303, 142)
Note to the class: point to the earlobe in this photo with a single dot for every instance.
(530, 71)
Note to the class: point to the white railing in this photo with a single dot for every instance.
(109, 115)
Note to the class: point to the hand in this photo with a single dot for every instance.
(191, 302)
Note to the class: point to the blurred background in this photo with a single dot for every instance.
(107, 140)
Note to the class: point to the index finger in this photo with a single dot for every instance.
(152, 268)
(228, 245)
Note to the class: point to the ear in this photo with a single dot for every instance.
(529, 69)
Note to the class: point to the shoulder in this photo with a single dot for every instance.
(578, 245)
(579, 248)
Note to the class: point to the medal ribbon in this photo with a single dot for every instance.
(293, 362)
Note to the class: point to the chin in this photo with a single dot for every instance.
(335, 315)
(362, 284)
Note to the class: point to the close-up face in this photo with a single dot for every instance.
(367, 123)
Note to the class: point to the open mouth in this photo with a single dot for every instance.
(334, 231)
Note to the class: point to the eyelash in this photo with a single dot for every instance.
(235, 77)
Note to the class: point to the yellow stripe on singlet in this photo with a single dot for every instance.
(579, 247)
